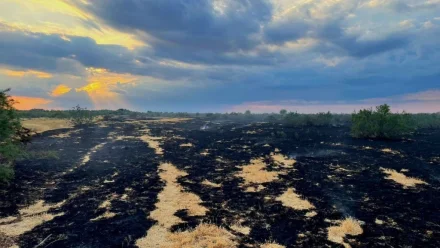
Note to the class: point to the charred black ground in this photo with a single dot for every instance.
(339, 175)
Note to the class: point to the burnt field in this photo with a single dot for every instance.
(198, 183)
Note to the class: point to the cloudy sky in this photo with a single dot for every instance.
(222, 55)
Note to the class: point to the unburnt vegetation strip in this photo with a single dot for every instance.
(201, 182)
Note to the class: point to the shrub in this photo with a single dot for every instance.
(6, 174)
(81, 116)
(298, 120)
(427, 120)
(381, 124)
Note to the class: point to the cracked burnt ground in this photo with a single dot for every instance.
(101, 190)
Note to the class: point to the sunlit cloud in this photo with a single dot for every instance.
(26, 103)
(103, 88)
(103, 96)
(61, 17)
(60, 90)
(31, 73)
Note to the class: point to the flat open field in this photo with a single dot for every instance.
(193, 183)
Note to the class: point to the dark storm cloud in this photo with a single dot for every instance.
(41, 51)
(406, 6)
(289, 30)
(52, 53)
(198, 31)
(332, 37)
(191, 30)
(189, 23)
(355, 46)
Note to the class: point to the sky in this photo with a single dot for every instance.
(222, 55)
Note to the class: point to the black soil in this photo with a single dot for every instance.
(333, 171)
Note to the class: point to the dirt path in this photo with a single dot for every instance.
(170, 184)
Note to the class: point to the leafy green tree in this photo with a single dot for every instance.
(381, 124)
(10, 129)
(283, 112)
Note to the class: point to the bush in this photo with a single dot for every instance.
(81, 116)
(427, 120)
(10, 133)
(313, 120)
(381, 124)
(6, 174)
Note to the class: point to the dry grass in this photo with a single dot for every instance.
(251, 132)
(221, 159)
(186, 145)
(255, 188)
(170, 200)
(86, 158)
(292, 200)
(256, 173)
(205, 152)
(158, 120)
(388, 150)
(283, 160)
(238, 227)
(272, 245)
(66, 134)
(168, 120)
(203, 236)
(122, 137)
(311, 214)
(106, 215)
(105, 204)
(40, 125)
(401, 179)
(211, 184)
(6, 241)
(348, 226)
(29, 218)
(152, 142)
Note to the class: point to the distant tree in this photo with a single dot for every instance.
(248, 112)
(283, 112)
(81, 116)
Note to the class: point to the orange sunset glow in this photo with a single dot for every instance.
(27, 103)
